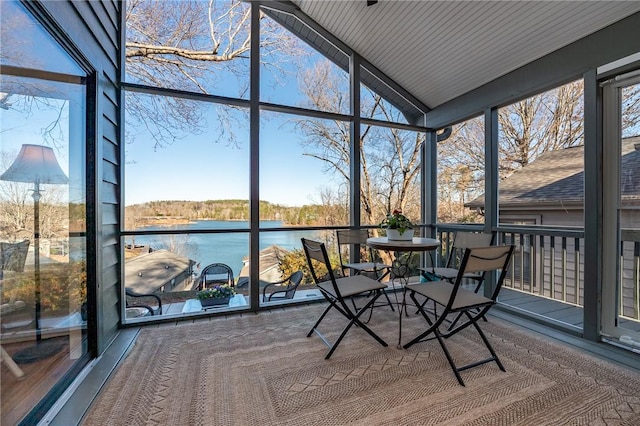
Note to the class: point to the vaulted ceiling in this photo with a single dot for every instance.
(438, 50)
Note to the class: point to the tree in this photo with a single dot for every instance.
(193, 46)
(389, 157)
(548, 121)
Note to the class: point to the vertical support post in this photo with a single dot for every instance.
(429, 182)
(491, 178)
(354, 152)
(254, 155)
(36, 255)
(593, 203)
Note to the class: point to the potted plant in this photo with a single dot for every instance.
(398, 226)
(217, 295)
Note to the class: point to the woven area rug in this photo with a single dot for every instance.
(262, 370)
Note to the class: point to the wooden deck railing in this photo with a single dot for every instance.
(550, 263)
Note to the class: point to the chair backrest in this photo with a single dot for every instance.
(483, 260)
(294, 281)
(349, 237)
(464, 240)
(216, 273)
(13, 256)
(316, 251)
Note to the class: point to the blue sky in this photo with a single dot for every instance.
(199, 168)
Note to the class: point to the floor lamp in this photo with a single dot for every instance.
(36, 164)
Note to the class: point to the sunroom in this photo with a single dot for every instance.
(143, 141)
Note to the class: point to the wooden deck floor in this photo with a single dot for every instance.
(564, 313)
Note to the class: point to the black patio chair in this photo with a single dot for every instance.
(280, 292)
(462, 240)
(216, 274)
(452, 299)
(146, 309)
(370, 266)
(336, 290)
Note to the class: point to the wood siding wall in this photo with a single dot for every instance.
(94, 29)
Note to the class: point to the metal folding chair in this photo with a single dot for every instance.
(350, 238)
(336, 290)
(452, 299)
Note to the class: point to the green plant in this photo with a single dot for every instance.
(216, 292)
(396, 220)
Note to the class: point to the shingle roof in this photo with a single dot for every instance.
(150, 271)
(557, 178)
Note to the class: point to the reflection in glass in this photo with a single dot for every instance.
(26, 44)
(43, 207)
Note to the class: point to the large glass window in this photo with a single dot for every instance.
(302, 77)
(390, 173)
(304, 170)
(43, 280)
(188, 159)
(186, 204)
(541, 161)
(377, 99)
(195, 46)
(461, 171)
(541, 170)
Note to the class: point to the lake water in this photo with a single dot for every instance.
(228, 248)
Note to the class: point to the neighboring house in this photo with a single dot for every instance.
(158, 271)
(269, 266)
(550, 190)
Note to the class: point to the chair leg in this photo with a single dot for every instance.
(354, 319)
(320, 319)
(488, 345)
(388, 301)
(455, 369)
(432, 325)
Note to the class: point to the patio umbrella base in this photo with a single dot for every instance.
(41, 350)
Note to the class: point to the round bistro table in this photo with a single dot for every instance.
(400, 269)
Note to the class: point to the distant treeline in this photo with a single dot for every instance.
(307, 215)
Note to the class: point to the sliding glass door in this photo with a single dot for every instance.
(621, 155)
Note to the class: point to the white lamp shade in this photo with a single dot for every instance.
(35, 164)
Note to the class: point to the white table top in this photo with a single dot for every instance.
(194, 305)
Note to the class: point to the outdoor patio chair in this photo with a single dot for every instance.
(461, 241)
(14, 314)
(453, 299)
(336, 290)
(351, 237)
(13, 256)
(280, 292)
(143, 309)
(216, 274)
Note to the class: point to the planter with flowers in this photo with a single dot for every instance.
(216, 295)
(398, 226)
